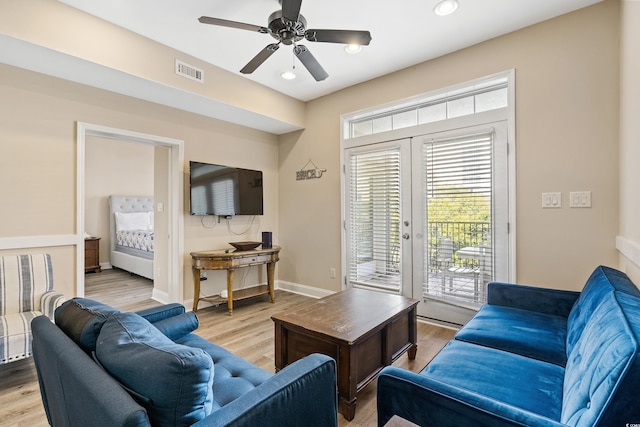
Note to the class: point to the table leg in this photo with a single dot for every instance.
(412, 351)
(230, 291)
(270, 274)
(196, 288)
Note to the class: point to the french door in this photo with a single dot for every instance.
(427, 217)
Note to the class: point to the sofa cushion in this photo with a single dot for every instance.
(521, 382)
(234, 376)
(81, 319)
(602, 282)
(177, 380)
(604, 358)
(538, 335)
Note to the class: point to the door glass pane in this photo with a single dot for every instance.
(374, 219)
(458, 253)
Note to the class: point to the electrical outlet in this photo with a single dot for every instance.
(332, 273)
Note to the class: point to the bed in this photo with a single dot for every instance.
(131, 233)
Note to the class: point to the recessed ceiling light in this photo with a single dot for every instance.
(288, 75)
(446, 7)
(353, 48)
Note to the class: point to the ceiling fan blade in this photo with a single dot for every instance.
(260, 58)
(310, 62)
(291, 10)
(362, 38)
(232, 24)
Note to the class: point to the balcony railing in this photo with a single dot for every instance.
(461, 235)
(458, 261)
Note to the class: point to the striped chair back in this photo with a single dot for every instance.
(23, 281)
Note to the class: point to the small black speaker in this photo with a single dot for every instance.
(266, 239)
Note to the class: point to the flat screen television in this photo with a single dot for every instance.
(224, 190)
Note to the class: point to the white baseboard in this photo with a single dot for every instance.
(305, 290)
(161, 297)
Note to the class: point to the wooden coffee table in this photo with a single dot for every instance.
(362, 330)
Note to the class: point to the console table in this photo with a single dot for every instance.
(231, 260)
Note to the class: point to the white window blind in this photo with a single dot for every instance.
(458, 173)
(374, 218)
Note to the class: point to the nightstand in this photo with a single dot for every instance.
(92, 254)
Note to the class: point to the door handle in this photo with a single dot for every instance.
(405, 236)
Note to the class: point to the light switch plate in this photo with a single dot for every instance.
(552, 200)
(580, 199)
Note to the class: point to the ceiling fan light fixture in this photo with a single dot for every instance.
(446, 7)
(353, 48)
(288, 75)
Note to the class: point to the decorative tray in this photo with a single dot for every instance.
(245, 246)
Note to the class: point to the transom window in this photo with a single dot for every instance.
(491, 95)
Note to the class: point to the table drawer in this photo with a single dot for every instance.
(249, 260)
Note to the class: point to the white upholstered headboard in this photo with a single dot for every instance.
(126, 204)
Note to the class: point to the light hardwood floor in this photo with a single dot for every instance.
(249, 334)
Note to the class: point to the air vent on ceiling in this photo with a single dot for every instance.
(189, 71)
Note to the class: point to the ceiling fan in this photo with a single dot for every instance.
(288, 27)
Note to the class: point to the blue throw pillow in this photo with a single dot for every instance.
(81, 319)
(176, 327)
(176, 380)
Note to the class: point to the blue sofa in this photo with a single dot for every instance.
(97, 366)
(531, 357)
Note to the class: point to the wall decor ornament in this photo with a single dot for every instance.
(309, 173)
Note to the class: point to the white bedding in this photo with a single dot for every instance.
(135, 242)
(132, 234)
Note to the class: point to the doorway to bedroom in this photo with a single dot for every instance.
(146, 171)
(119, 208)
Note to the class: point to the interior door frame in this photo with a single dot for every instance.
(175, 201)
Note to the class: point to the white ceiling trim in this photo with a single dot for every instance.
(26, 55)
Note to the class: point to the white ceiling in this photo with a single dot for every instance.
(404, 32)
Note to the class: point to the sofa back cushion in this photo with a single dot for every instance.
(81, 319)
(603, 364)
(175, 381)
(600, 285)
(23, 281)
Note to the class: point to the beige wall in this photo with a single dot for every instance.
(113, 167)
(630, 136)
(566, 139)
(38, 115)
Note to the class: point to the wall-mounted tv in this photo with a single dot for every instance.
(224, 190)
